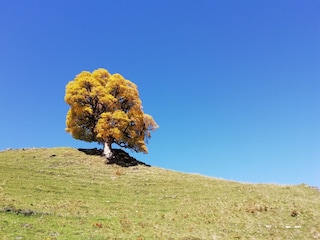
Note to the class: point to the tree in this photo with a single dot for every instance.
(106, 108)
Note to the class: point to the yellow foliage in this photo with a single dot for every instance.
(106, 107)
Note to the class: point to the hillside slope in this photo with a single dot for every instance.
(62, 193)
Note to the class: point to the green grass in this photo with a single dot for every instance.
(75, 196)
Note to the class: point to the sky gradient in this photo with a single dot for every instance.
(234, 85)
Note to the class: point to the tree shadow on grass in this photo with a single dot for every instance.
(119, 157)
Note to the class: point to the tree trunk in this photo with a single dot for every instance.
(107, 149)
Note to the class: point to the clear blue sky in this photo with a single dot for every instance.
(234, 85)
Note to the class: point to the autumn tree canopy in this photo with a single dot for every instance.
(106, 108)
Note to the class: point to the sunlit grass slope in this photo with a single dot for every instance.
(61, 193)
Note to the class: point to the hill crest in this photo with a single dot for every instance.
(75, 195)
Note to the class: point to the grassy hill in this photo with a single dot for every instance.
(62, 193)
